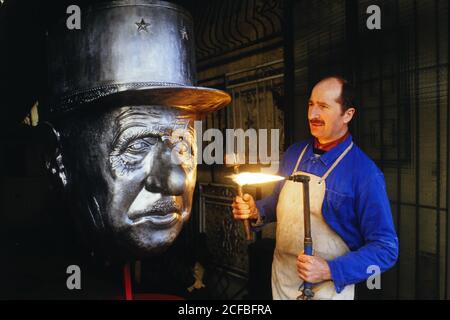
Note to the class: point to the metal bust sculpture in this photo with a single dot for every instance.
(121, 107)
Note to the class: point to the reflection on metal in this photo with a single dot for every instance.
(226, 26)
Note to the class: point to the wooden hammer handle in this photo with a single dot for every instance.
(248, 233)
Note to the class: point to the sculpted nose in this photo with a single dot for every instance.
(164, 176)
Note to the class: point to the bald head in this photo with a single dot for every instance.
(345, 93)
(329, 109)
(331, 89)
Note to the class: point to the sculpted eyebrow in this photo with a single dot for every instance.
(138, 132)
(137, 112)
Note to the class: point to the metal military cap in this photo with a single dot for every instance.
(137, 51)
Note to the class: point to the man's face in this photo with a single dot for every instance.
(136, 176)
(327, 121)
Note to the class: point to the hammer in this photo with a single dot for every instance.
(307, 293)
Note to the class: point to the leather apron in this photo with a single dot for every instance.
(290, 233)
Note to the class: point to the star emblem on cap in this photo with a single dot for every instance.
(142, 26)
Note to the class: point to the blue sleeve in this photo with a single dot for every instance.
(380, 238)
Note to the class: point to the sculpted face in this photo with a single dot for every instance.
(131, 175)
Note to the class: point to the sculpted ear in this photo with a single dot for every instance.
(53, 159)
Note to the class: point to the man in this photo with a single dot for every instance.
(120, 111)
(351, 220)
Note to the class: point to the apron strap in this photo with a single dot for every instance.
(343, 154)
(300, 159)
(336, 162)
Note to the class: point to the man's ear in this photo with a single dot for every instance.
(348, 114)
(53, 159)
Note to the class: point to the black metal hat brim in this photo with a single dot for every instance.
(199, 100)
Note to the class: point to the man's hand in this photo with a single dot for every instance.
(312, 269)
(245, 208)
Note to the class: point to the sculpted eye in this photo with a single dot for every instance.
(137, 146)
(128, 152)
(141, 145)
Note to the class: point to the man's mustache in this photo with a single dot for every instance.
(320, 122)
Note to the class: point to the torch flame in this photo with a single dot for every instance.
(255, 178)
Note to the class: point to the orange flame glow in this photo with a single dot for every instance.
(246, 178)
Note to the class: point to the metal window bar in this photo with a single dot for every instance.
(447, 229)
(399, 175)
(417, 150)
(438, 153)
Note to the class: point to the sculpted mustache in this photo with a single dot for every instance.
(165, 205)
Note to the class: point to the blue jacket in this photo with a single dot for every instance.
(356, 207)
